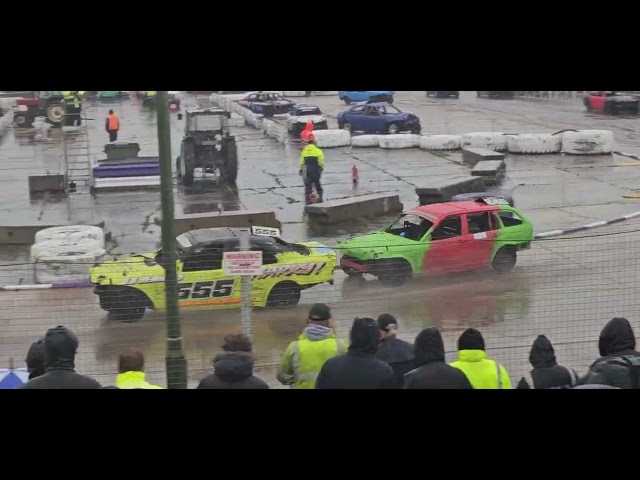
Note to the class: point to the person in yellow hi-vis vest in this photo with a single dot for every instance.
(131, 372)
(303, 359)
(482, 372)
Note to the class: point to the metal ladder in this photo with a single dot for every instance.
(77, 155)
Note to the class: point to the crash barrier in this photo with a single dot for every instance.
(232, 219)
(5, 123)
(26, 234)
(443, 190)
(552, 95)
(578, 142)
(491, 171)
(471, 156)
(123, 169)
(61, 254)
(359, 206)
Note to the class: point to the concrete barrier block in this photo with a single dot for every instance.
(443, 190)
(471, 156)
(26, 234)
(344, 209)
(46, 183)
(332, 138)
(491, 171)
(237, 219)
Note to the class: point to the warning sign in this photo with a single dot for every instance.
(242, 263)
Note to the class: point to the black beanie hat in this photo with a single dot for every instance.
(471, 339)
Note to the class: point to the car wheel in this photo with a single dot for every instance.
(394, 273)
(393, 129)
(347, 126)
(587, 104)
(609, 108)
(125, 306)
(347, 100)
(504, 260)
(457, 96)
(178, 167)
(284, 294)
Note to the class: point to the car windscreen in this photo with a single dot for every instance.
(205, 122)
(308, 111)
(412, 227)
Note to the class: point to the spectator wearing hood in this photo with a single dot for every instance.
(482, 372)
(233, 368)
(360, 368)
(60, 347)
(619, 360)
(131, 372)
(432, 372)
(546, 372)
(397, 353)
(303, 359)
(35, 359)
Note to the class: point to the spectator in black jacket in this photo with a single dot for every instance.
(546, 372)
(397, 353)
(433, 373)
(233, 369)
(35, 359)
(60, 347)
(359, 368)
(618, 364)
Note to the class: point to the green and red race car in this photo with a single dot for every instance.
(440, 238)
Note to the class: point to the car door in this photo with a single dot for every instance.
(444, 251)
(203, 280)
(380, 119)
(356, 118)
(370, 119)
(482, 230)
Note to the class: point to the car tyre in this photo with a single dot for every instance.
(284, 294)
(347, 100)
(393, 129)
(394, 273)
(347, 126)
(504, 260)
(125, 306)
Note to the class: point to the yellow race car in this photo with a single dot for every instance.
(127, 287)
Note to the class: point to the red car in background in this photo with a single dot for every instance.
(612, 103)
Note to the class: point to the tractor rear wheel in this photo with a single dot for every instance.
(55, 113)
(186, 164)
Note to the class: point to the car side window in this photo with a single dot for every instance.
(206, 258)
(357, 110)
(509, 219)
(268, 254)
(478, 223)
(450, 227)
(495, 221)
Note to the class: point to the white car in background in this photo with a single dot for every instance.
(301, 114)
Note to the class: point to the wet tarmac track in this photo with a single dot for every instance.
(566, 288)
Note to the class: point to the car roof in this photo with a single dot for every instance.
(204, 111)
(375, 104)
(302, 106)
(440, 210)
(204, 236)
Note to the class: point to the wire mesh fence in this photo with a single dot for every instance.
(565, 288)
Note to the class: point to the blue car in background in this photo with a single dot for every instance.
(378, 118)
(366, 96)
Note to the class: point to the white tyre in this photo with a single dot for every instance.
(67, 264)
(70, 233)
(332, 138)
(534, 143)
(402, 140)
(42, 248)
(495, 141)
(365, 141)
(587, 142)
(440, 142)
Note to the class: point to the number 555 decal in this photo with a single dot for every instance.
(205, 290)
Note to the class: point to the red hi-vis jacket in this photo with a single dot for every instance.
(308, 129)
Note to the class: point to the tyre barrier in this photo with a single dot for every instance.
(332, 138)
(495, 141)
(67, 264)
(534, 143)
(587, 142)
(579, 142)
(43, 248)
(70, 233)
(402, 140)
(440, 142)
(365, 141)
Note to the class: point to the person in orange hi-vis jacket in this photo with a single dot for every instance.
(308, 130)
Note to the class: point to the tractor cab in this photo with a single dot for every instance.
(207, 145)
